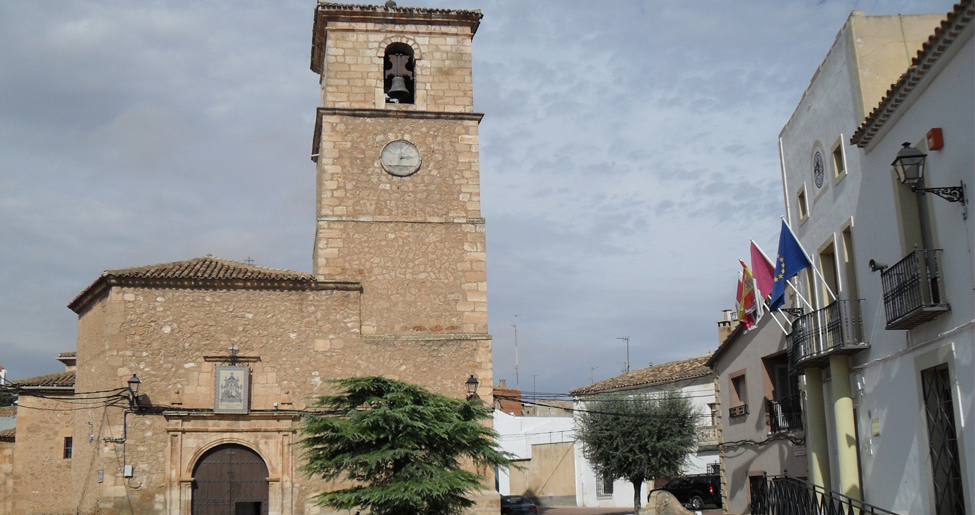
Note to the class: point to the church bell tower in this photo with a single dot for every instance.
(398, 205)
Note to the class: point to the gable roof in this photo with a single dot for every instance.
(651, 376)
(206, 272)
(958, 20)
(58, 380)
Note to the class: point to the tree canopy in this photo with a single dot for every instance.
(400, 447)
(638, 437)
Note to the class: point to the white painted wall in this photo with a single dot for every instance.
(517, 435)
(896, 463)
(885, 380)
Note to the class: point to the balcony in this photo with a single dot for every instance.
(784, 414)
(707, 437)
(835, 329)
(913, 289)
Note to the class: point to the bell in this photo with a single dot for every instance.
(397, 89)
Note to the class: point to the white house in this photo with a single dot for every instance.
(693, 379)
(916, 383)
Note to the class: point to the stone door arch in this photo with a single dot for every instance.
(230, 479)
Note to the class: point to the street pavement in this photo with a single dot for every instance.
(602, 511)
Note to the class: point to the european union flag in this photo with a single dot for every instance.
(790, 261)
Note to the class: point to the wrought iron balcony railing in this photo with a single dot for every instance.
(914, 289)
(784, 414)
(784, 495)
(835, 329)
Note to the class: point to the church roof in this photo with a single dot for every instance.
(206, 272)
(957, 21)
(650, 376)
(58, 380)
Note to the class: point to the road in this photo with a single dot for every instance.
(603, 511)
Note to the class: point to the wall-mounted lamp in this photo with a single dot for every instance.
(472, 383)
(909, 166)
(134, 383)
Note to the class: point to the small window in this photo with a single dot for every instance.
(839, 169)
(399, 82)
(739, 390)
(802, 204)
(68, 447)
(604, 487)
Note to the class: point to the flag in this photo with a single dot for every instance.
(790, 261)
(763, 271)
(746, 297)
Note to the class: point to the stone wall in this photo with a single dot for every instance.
(41, 472)
(292, 342)
(353, 68)
(6, 476)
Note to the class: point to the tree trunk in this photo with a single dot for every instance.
(637, 493)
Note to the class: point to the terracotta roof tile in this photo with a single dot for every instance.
(8, 435)
(59, 380)
(8, 411)
(959, 19)
(205, 272)
(651, 376)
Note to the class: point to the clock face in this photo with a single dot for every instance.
(818, 169)
(400, 158)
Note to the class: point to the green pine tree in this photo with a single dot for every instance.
(400, 447)
(638, 437)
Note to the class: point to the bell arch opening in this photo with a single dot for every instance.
(399, 81)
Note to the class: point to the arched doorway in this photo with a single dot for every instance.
(230, 480)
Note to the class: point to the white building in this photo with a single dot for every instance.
(876, 350)
(693, 379)
(543, 450)
(917, 382)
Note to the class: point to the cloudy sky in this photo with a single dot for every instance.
(628, 154)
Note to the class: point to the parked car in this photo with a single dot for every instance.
(517, 505)
(696, 491)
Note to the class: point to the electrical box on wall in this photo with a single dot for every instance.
(127, 471)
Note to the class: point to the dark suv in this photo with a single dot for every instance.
(696, 491)
(517, 505)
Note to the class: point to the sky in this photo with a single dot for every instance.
(628, 154)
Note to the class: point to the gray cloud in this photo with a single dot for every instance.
(628, 153)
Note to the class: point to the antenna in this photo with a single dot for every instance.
(627, 340)
(515, 325)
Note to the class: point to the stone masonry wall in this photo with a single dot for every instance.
(6, 476)
(292, 342)
(353, 68)
(415, 243)
(41, 473)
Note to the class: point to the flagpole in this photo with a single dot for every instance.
(812, 262)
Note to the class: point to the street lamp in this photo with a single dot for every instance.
(909, 166)
(134, 383)
(472, 383)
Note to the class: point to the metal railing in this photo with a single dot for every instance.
(784, 414)
(784, 495)
(821, 332)
(914, 289)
